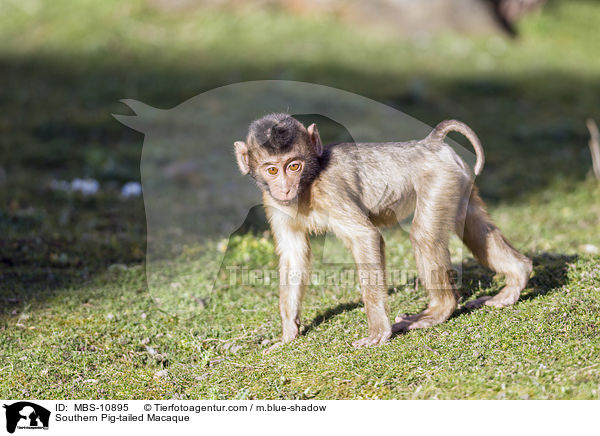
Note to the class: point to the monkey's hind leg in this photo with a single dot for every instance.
(493, 251)
(429, 236)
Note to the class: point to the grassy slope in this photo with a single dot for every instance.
(75, 327)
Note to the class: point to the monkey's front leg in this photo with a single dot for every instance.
(294, 270)
(369, 255)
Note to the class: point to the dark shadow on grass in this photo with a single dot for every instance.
(330, 313)
(550, 273)
(337, 310)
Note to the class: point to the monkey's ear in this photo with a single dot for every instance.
(315, 138)
(241, 155)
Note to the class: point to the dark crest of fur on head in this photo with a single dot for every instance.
(276, 132)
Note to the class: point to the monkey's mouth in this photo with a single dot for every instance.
(281, 198)
(287, 201)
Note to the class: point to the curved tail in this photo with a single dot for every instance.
(442, 129)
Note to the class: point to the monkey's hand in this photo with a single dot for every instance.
(373, 339)
(290, 332)
(273, 347)
(290, 329)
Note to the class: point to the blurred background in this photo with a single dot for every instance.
(524, 74)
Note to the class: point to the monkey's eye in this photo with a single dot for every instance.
(272, 170)
(294, 167)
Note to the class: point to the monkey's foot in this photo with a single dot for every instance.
(425, 319)
(506, 297)
(477, 303)
(373, 340)
(402, 323)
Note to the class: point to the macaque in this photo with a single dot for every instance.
(352, 190)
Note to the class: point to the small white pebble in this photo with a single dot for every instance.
(222, 246)
(161, 373)
(131, 189)
(85, 186)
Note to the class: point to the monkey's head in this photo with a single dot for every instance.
(281, 155)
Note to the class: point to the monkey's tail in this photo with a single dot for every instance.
(442, 129)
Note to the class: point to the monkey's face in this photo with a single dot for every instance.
(281, 155)
(282, 175)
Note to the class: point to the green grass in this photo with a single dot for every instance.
(77, 318)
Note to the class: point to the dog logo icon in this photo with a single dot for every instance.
(26, 415)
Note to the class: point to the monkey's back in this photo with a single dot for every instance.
(382, 178)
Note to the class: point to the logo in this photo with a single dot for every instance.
(26, 415)
(194, 195)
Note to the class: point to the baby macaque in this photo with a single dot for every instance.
(352, 190)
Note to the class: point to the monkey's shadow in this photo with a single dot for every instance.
(550, 273)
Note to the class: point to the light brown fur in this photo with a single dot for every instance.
(357, 188)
